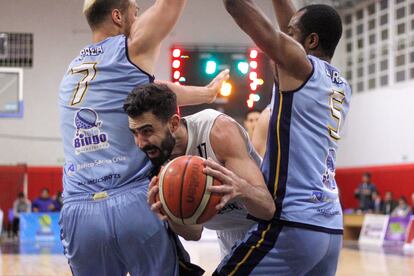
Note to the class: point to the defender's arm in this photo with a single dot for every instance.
(287, 53)
(150, 29)
(284, 10)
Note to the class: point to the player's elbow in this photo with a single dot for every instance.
(270, 211)
(194, 236)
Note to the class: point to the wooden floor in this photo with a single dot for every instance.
(352, 262)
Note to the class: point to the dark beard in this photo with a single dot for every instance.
(167, 145)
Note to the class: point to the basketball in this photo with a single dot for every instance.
(183, 191)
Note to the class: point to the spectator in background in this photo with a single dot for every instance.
(20, 205)
(376, 203)
(389, 204)
(402, 209)
(364, 192)
(58, 201)
(44, 203)
(250, 121)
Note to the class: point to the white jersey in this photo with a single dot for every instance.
(231, 223)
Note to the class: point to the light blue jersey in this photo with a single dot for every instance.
(299, 164)
(99, 149)
(112, 232)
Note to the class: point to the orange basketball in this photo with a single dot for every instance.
(183, 191)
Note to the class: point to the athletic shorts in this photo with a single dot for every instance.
(116, 234)
(275, 249)
(228, 238)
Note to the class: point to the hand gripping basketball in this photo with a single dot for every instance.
(154, 200)
(232, 187)
(183, 190)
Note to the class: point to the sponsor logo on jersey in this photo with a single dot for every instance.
(100, 179)
(230, 207)
(71, 168)
(88, 135)
(320, 197)
(328, 212)
(328, 177)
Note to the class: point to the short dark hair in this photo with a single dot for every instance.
(254, 110)
(97, 13)
(153, 97)
(324, 21)
(403, 198)
(367, 174)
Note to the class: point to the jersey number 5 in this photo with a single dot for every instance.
(88, 70)
(335, 101)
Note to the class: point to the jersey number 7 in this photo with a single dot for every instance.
(88, 70)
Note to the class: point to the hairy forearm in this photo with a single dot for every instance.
(191, 95)
(284, 10)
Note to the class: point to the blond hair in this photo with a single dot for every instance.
(87, 4)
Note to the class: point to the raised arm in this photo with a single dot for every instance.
(287, 53)
(240, 175)
(194, 95)
(284, 10)
(150, 29)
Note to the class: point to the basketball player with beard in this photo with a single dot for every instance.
(161, 133)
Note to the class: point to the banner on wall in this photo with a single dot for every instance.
(39, 227)
(373, 230)
(409, 238)
(396, 230)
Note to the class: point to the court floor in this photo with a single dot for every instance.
(353, 260)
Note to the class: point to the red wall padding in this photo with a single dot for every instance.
(11, 183)
(398, 179)
(44, 177)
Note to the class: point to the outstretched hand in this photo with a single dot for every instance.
(232, 185)
(215, 85)
(155, 205)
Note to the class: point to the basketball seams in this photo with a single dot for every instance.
(161, 193)
(204, 193)
(204, 202)
(199, 209)
(184, 173)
